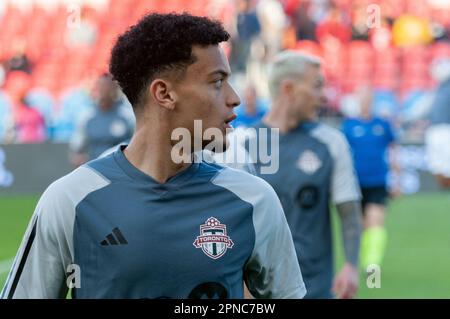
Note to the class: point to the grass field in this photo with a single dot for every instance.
(417, 262)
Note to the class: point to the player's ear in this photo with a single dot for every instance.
(162, 92)
(286, 86)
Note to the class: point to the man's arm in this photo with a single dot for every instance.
(351, 224)
(346, 195)
(39, 267)
(273, 270)
(346, 282)
(438, 153)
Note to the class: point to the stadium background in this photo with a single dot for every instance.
(52, 51)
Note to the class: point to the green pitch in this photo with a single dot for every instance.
(417, 259)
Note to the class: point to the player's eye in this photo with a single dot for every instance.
(218, 83)
(320, 84)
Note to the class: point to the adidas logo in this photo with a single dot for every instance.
(115, 238)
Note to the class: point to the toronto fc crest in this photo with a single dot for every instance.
(213, 239)
(309, 162)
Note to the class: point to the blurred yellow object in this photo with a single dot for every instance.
(409, 30)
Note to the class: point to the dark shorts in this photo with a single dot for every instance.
(374, 195)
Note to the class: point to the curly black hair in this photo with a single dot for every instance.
(159, 43)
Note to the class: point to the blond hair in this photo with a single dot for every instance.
(288, 64)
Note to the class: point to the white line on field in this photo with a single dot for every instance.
(5, 265)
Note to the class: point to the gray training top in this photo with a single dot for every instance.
(315, 166)
(196, 236)
(99, 130)
(440, 109)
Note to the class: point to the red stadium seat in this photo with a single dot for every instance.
(414, 83)
(387, 71)
(416, 54)
(199, 7)
(415, 70)
(346, 66)
(385, 82)
(441, 16)
(350, 84)
(142, 8)
(360, 51)
(419, 8)
(309, 47)
(360, 71)
(335, 69)
(119, 9)
(440, 50)
(389, 57)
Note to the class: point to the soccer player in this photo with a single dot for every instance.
(315, 166)
(437, 136)
(105, 126)
(372, 140)
(251, 110)
(138, 225)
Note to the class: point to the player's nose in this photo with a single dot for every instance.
(233, 98)
(323, 100)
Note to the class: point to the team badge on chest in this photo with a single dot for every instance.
(309, 162)
(213, 239)
(378, 130)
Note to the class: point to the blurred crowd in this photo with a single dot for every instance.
(52, 54)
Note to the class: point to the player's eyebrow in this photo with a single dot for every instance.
(320, 81)
(224, 73)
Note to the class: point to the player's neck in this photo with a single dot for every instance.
(279, 117)
(150, 152)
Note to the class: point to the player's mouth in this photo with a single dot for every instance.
(229, 120)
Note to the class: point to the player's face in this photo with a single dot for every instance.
(365, 98)
(308, 94)
(105, 92)
(205, 94)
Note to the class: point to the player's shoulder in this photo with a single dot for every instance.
(80, 177)
(350, 122)
(107, 166)
(86, 116)
(70, 189)
(332, 138)
(328, 134)
(382, 121)
(247, 186)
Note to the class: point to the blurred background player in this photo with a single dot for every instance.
(246, 29)
(438, 134)
(371, 138)
(251, 110)
(315, 168)
(28, 122)
(107, 125)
